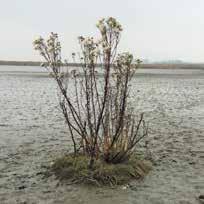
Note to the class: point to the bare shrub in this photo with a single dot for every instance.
(100, 118)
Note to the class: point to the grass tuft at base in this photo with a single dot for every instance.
(75, 169)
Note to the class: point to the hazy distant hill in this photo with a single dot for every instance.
(28, 63)
(19, 63)
(144, 66)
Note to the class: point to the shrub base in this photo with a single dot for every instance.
(75, 169)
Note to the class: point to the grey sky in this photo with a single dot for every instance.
(153, 29)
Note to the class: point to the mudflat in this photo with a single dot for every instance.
(32, 134)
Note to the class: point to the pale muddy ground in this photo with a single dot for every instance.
(32, 134)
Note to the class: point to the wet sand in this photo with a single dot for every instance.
(32, 134)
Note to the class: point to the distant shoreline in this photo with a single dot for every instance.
(143, 66)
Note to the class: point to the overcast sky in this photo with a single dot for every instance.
(153, 29)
